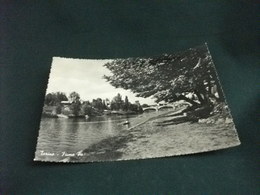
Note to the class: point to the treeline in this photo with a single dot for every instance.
(73, 105)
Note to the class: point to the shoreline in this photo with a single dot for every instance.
(111, 148)
(145, 140)
(113, 113)
(158, 136)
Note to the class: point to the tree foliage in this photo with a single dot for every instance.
(96, 107)
(74, 97)
(75, 106)
(98, 104)
(54, 99)
(117, 102)
(168, 77)
(126, 104)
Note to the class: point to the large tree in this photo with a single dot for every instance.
(117, 102)
(75, 103)
(168, 77)
(74, 96)
(98, 104)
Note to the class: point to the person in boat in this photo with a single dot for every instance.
(126, 122)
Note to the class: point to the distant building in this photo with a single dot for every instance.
(65, 103)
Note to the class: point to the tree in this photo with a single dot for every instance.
(104, 105)
(54, 99)
(75, 106)
(74, 97)
(98, 104)
(168, 77)
(126, 104)
(87, 109)
(117, 102)
(139, 107)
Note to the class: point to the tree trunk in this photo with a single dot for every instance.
(198, 94)
(219, 89)
(182, 97)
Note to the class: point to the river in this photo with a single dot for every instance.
(59, 135)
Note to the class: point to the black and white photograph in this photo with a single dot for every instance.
(134, 108)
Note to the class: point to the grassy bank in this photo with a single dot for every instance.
(147, 140)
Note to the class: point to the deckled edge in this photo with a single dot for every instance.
(146, 158)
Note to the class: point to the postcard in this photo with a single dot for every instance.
(134, 108)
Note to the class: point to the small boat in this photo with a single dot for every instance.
(126, 123)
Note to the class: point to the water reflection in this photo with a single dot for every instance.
(72, 135)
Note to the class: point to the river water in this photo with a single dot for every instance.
(59, 135)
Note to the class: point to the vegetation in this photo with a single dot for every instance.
(75, 106)
(59, 103)
(188, 76)
(53, 99)
(169, 77)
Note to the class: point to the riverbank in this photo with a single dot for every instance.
(146, 140)
(185, 138)
(105, 113)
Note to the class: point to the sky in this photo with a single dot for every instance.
(85, 76)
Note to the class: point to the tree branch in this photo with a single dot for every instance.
(182, 97)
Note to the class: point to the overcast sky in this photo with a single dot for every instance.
(86, 78)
